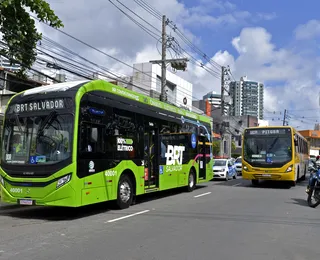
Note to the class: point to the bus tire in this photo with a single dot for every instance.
(255, 183)
(125, 192)
(191, 181)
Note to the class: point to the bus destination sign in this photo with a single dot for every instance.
(268, 131)
(34, 106)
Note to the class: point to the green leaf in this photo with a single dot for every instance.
(19, 30)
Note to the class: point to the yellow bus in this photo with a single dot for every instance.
(278, 153)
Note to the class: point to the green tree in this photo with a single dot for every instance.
(215, 147)
(19, 30)
(233, 146)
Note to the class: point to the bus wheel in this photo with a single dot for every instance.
(125, 192)
(191, 181)
(255, 183)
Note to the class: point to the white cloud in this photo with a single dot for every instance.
(261, 60)
(267, 16)
(308, 31)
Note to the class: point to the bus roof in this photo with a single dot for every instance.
(81, 87)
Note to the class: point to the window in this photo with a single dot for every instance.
(43, 139)
(92, 138)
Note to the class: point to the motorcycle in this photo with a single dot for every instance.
(313, 188)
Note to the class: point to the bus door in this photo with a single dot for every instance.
(151, 157)
(202, 157)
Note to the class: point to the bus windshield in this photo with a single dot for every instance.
(45, 139)
(268, 151)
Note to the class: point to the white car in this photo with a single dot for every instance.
(224, 169)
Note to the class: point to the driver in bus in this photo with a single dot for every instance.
(16, 143)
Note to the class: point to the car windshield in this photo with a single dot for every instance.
(43, 139)
(219, 163)
(272, 151)
(238, 160)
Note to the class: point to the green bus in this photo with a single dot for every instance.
(78, 143)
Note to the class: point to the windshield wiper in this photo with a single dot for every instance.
(47, 121)
(273, 144)
(17, 121)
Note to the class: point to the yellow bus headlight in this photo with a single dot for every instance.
(289, 169)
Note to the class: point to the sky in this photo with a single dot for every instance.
(274, 42)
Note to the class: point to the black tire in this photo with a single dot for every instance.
(125, 192)
(310, 194)
(192, 180)
(305, 174)
(255, 183)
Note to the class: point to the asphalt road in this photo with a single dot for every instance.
(219, 220)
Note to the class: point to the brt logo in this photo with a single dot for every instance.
(174, 154)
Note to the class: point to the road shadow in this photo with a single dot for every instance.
(301, 202)
(271, 185)
(67, 214)
(266, 184)
(56, 213)
(224, 182)
(163, 194)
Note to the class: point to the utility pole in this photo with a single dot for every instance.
(222, 90)
(163, 59)
(177, 64)
(284, 117)
(222, 127)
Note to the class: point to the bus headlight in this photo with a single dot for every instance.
(62, 181)
(289, 168)
(245, 168)
(1, 181)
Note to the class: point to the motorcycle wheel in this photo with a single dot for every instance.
(313, 194)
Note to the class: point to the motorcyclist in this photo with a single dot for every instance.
(314, 169)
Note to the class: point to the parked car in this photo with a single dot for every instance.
(224, 169)
(238, 165)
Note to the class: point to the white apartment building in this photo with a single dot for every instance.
(247, 97)
(215, 100)
(146, 79)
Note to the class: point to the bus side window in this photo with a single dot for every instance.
(92, 138)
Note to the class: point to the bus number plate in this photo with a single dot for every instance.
(266, 175)
(26, 202)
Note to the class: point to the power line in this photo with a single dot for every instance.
(96, 49)
(148, 31)
(169, 40)
(157, 14)
(82, 70)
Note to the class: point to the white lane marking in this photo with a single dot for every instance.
(203, 194)
(238, 184)
(128, 216)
